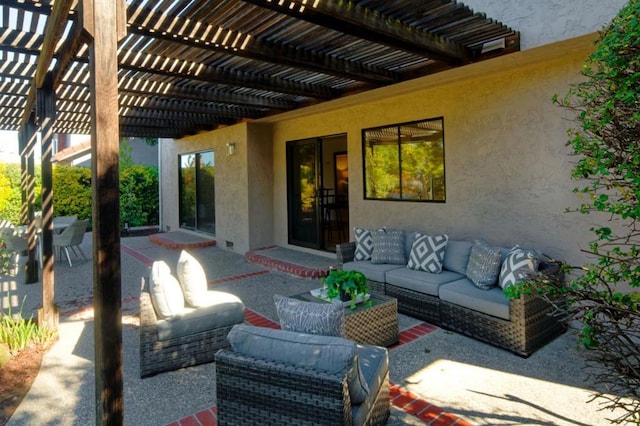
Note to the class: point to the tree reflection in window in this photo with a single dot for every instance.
(405, 161)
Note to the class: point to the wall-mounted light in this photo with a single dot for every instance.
(231, 148)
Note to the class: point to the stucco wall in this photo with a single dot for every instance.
(542, 22)
(260, 188)
(506, 163)
(232, 200)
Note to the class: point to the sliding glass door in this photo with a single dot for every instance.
(197, 191)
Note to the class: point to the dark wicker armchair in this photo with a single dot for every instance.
(275, 393)
(158, 355)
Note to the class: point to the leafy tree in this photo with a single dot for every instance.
(10, 192)
(606, 141)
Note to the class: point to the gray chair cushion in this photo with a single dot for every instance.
(374, 272)
(484, 265)
(464, 293)
(374, 363)
(219, 309)
(388, 247)
(420, 281)
(456, 256)
(326, 353)
(326, 319)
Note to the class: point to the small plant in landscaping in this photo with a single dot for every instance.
(17, 333)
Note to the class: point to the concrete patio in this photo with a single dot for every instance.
(439, 377)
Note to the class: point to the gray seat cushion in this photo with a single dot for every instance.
(374, 363)
(421, 281)
(456, 256)
(464, 293)
(325, 353)
(219, 309)
(374, 272)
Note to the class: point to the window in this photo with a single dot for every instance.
(197, 191)
(404, 161)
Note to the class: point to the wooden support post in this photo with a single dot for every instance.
(27, 139)
(105, 24)
(46, 114)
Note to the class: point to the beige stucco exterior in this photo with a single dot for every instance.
(244, 184)
(507, 167)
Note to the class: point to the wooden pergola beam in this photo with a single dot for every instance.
(349, 18)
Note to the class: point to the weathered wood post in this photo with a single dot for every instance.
(27, 139)
(46, 115)
(104, 21)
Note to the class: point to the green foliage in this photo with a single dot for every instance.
(18, 333)
(349, 283)
(139, 195)
(606, 143)
(72, 191)
(10, 192)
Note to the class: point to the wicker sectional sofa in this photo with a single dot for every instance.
(451, 300)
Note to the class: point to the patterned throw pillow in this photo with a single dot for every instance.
(427, 253)
(364, 244)
(388, 247)
(484, 265)
(518, 264)
(326, 319)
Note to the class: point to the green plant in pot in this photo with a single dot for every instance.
(346, 285)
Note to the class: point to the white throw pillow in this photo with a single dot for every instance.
(165, 291)
(192, 279)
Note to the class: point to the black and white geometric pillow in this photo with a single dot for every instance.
(518, 264)
(427, 253)
(364, 244)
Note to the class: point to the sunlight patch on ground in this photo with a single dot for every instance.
(462, 389)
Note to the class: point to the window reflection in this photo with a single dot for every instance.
(405, 161)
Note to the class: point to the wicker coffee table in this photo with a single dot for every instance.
(374, 323)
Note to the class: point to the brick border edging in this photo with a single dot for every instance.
(167, 243)
(282, 266)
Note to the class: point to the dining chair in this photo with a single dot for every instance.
(15, 242)
(71, 237)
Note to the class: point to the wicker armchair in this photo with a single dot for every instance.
(253, 389)
(158, 355)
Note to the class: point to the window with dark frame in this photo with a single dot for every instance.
(404, 162)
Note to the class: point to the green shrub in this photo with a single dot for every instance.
(10, 192)
(72, 191)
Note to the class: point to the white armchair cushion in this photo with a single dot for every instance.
(192, 279)
(165, 291)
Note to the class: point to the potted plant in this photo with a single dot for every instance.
(346, 285)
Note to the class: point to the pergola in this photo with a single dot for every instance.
(171, 68)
